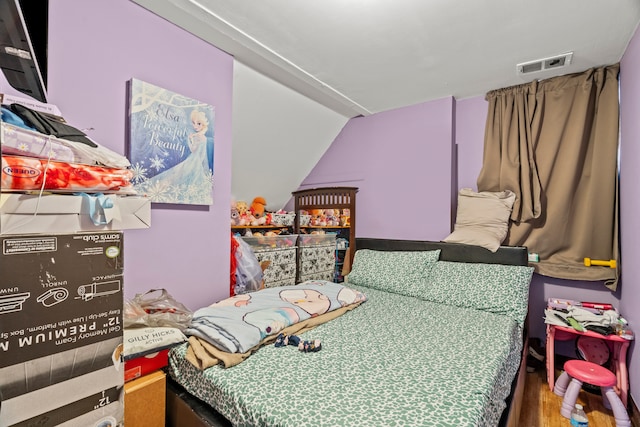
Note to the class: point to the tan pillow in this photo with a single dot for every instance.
(483, 218)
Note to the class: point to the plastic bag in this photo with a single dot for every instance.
(156, 308)
(248, 271)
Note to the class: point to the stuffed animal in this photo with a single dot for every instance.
(257, 211)
(243, 213)
(242, 207)
(345, 218)
(257, 206)
(318, 218)
(235, 216)
(331, 217)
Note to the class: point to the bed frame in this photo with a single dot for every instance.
(186, 410)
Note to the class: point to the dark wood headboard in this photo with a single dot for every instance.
(456, 252)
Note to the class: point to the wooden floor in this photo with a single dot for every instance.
(541, 408)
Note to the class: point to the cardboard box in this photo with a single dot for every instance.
(61, 306)
(143, 365)
(62, 213)
(145, 401)
(92, 399)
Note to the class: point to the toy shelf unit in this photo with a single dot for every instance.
(342, 199)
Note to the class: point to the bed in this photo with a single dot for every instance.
(438, 342)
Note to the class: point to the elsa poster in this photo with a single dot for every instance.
(170, 145)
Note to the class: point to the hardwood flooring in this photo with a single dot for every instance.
(541, 408)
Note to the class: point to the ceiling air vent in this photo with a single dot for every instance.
(544, 64)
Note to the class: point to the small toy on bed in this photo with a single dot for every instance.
(305, 346)
(310, 346)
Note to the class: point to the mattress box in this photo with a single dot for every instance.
(60, 292)
(92, 399)
(67, 213)
(145, 401)
(143, 365)
(61, 308)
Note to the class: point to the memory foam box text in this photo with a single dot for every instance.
(60, 325)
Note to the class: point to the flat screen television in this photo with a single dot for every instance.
(23, 48)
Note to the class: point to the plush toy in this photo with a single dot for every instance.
(257, 206)
(332, 217)
(257, 212)
(235, 216)
(243, 213)
(345, 219)
(242, 207)
(318, 218)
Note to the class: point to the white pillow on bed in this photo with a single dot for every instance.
(482, 218)
(391, 271)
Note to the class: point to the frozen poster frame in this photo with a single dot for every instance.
(171, 142)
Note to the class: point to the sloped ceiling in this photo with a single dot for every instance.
(359, 57)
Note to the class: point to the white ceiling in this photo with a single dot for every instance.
(360, 57)
(303, 67)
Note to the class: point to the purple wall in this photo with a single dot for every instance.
(471, 117)
(629, 197)
(95, 48)
(400, 161)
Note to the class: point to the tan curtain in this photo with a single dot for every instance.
(555, 144)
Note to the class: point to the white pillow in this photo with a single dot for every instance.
(482, 218)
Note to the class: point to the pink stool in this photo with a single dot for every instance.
(581, 371)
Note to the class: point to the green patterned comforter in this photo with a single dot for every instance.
(393, 361)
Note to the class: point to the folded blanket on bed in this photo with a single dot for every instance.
(202, 355)
(239, 323)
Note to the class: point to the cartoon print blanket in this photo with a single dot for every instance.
(239, 323)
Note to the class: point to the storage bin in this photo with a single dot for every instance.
(283, 219)
(324, 252)
(317, 240)
(282, 269)
(305, 220)
(271, 242)
(317, 256)
(317, 265)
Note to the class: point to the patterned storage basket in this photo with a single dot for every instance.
(285, 220)
(305, 220)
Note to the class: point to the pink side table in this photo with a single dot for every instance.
(618, 357)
